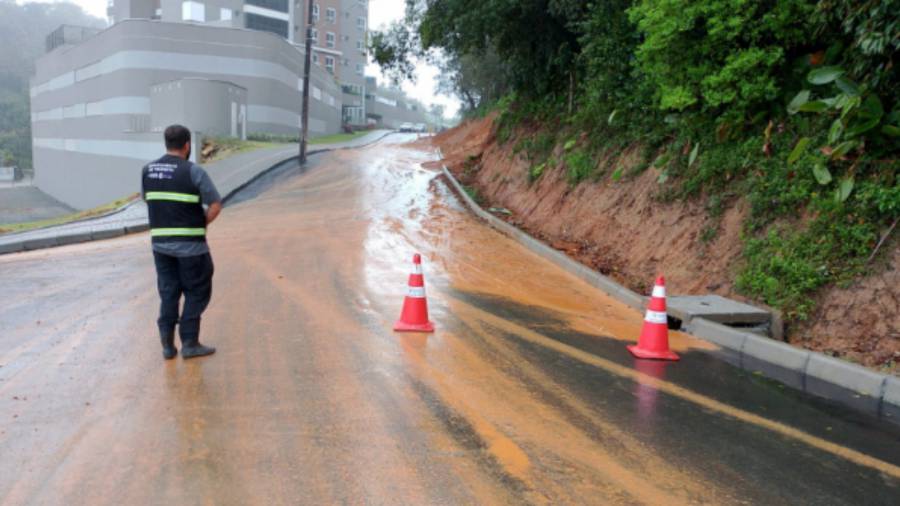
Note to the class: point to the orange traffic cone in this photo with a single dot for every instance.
(654, 340)
(414, 317)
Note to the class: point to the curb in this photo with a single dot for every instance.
(815, 373)
(85, 219)
(101, 232)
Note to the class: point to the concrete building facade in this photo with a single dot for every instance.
(389, 107)
(354, 45)
(339, 33)
(92, 102)
(100, 99)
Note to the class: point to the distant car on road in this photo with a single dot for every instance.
(407, 127)
(421, 127)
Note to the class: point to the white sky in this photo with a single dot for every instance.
(381, 13)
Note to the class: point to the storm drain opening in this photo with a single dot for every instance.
(674, 323)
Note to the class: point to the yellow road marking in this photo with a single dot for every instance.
(689, 395)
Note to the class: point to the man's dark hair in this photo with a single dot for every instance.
(177, 136)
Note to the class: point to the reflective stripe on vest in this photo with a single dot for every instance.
(177, 232)
(174, 197)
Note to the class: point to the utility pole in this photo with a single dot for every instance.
(304, 113)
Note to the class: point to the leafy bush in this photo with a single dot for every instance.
(535, 172)
(579, 166)
(785, 266)
(863, 40)
(719, 54)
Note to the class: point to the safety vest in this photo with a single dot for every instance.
(173, 201)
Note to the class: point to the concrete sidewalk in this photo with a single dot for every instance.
(229, 175)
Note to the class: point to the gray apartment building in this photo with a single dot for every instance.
(100, 99)
(389, 107)
(339, 33)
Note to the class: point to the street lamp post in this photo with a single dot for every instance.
(304, 127)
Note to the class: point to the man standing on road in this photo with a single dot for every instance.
(176, 192)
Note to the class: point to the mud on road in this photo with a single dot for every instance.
(524, 394)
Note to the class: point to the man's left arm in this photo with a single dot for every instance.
(213, 212)
(209, 195)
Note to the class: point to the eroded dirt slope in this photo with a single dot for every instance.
(622, 230)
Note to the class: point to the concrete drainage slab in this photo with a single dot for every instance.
(716, 308)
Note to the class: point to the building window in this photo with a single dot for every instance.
(266, 24)
(361, 23)
(193, 11)
(329, 39)
(225, 14)
(315, 16)
(359, 68)
(361, 46)
(329, 64)
(315, 35)
(272, 5)
(315, 58)
(331, 15)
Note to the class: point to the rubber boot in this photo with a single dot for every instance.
(191, 348)
(168, 344)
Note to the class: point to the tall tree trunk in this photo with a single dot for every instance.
(470, 100)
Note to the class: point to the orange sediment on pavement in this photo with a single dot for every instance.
(550, 436)
(506, 452)
(699, 399)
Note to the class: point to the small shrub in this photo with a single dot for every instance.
(536, 171)
(709, 233)
(579, 166)
(473, 193)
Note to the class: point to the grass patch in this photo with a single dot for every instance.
(216, 149)
(69, 218)
(473, 194)
(332, 139)
(579, 166)
(219, 148)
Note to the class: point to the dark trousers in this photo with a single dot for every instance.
(190, 276)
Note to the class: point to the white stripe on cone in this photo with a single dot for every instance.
(659, 291)
(658, 317)
(416, 292)
(417, 269)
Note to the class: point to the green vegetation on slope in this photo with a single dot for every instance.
(789, 104)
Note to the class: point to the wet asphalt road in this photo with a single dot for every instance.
(525, 394)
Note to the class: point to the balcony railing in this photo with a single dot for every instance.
(68, 34)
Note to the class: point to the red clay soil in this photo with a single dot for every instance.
(623, 230)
